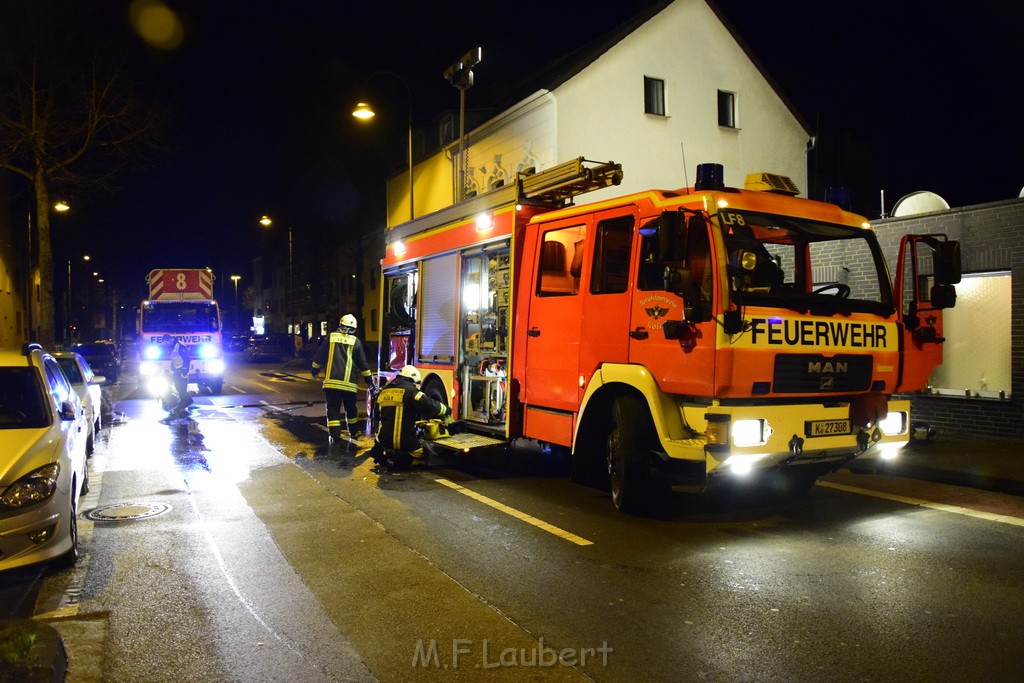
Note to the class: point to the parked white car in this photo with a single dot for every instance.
(86, 384)
(43, 464)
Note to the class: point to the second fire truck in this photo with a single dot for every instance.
(687, 336)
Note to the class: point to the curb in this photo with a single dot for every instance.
(46, 659)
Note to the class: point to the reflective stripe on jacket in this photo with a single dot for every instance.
(343, 359)
(401, 403)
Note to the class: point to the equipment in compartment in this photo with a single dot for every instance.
(486, 279)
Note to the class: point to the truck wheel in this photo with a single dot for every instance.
(627, 442)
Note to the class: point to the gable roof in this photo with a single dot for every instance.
(556, 72)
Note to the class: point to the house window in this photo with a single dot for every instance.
(726, 109)
(654, 96)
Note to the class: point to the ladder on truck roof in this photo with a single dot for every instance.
(565, 181)
(554, 187)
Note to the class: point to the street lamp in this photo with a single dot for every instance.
(266, 222)
(364, 112)
(235, 279)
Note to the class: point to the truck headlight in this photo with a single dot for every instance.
(893, 424)
(215, 367)
(742, 463)
(208, 351)
(152, 352)
(147, 368)
(749, 432)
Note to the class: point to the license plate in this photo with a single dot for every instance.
(827, 428)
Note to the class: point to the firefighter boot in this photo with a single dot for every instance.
(334, 433)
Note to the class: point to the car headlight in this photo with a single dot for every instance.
(893, 424)
(215, 367)
(34, 487)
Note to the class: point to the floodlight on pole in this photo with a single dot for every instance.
(460, 75)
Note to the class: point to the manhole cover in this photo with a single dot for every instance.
(126, 511)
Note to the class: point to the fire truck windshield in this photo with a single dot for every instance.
(803, 264)
(178, 317)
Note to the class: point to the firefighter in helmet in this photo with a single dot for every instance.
(343, 360)
(401, 404)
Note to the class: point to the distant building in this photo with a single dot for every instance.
(979, 388)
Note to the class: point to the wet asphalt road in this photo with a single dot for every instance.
(275, 557)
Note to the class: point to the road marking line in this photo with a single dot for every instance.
(529, 519)
(920, 502)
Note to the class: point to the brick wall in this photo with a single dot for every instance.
(991, 238)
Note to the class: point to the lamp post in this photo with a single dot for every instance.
(67, 323)
(364, 112)
(266, 222)
(235, 279)
(460, 75)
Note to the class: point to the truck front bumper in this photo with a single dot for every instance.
(743, 440)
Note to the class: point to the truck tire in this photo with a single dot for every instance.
(628, 471)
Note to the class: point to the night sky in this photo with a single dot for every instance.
(259, 98)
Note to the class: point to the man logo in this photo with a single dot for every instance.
(827, 383)
(656, 311)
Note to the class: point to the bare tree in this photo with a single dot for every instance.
(72, 119)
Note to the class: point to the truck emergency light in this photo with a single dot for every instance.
(710, 177)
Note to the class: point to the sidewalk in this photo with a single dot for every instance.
(985, 464)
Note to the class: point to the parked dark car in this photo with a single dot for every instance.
(236, 342)
(103, 357)
(268, 348)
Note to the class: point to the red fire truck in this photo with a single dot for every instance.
(181, 304)
(686, 336)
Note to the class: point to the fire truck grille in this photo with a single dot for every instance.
(811, 373)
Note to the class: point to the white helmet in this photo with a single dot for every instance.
(412, 373)
(348, 320)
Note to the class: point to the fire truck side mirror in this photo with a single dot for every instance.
(696, 313)
(671, 238)
(943, 296)
(732, 322)
(946, 263)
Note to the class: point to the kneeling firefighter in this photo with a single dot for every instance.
(401, 404)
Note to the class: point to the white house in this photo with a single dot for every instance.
(673, 88)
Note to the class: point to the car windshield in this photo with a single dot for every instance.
(22, 403)
(70, 368)
(180, 317)
(804, 265)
